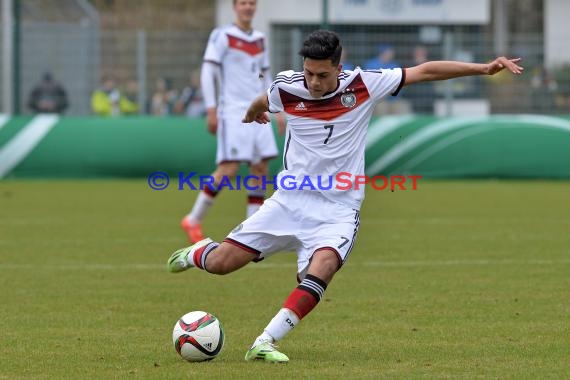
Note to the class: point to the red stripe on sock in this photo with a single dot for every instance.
(300, 302)
(210, 192)
(197, 258)
(252, 200)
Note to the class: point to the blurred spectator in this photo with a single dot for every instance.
(48, 96)
(105, 100)
(163, 98)
(191, 101)
(131, 97)
(385, 59)
(422, 95)
(108, 100)
(562, 76)
(544, 88)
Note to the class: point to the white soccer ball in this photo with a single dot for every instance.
(198, 336)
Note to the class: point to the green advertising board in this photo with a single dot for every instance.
(499, 146)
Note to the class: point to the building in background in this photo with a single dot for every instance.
(81, 41)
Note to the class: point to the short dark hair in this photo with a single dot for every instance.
(321, 45)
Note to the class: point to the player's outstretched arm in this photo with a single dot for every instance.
(257, 111)
(441, 70)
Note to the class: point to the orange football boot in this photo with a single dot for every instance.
(193, 230)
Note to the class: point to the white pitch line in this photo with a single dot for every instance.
(392, 264)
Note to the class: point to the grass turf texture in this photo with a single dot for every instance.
(454, 280)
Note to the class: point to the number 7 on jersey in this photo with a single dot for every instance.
(330, 127)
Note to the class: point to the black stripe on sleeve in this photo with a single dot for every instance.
(402, 82)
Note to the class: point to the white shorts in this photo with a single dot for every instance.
(301, 221)
(244, 142)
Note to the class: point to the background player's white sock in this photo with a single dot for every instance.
(255, 199)
(203, 203)
(283, 322)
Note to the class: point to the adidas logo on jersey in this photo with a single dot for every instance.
(300, 107)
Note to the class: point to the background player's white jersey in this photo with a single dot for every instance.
(326, 136)
(242, 57)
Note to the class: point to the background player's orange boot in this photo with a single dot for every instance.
(193, 230)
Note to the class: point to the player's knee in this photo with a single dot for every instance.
(324, 264)
(259, 169)
(220, 174)
(226, 170)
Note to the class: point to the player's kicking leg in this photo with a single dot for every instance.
(210, 256)
(237, 251)
(222, 259)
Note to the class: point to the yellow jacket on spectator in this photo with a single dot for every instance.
(112, 103)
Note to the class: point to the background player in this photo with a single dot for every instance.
(236, 65)
(328, 115)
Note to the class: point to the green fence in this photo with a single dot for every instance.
(525, 146)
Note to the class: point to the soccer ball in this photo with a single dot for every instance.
(198, 336)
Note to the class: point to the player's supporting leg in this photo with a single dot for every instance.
(256, 197)
(192, 223)
(300, 302)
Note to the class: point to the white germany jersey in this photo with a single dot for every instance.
(242, 57)
(326, 136)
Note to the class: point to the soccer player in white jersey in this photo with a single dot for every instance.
(328, 113)
(235, 71)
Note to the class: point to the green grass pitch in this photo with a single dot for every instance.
(455, 280)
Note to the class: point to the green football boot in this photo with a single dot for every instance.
(182, 259)
(266, 351)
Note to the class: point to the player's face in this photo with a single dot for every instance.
(245, 10)
(321, 76)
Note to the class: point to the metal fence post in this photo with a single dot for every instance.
(141, 69)
(7, 53)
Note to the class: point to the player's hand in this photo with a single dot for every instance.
(212, 120)
(505, 63)
(258, 117)
(257, 111)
